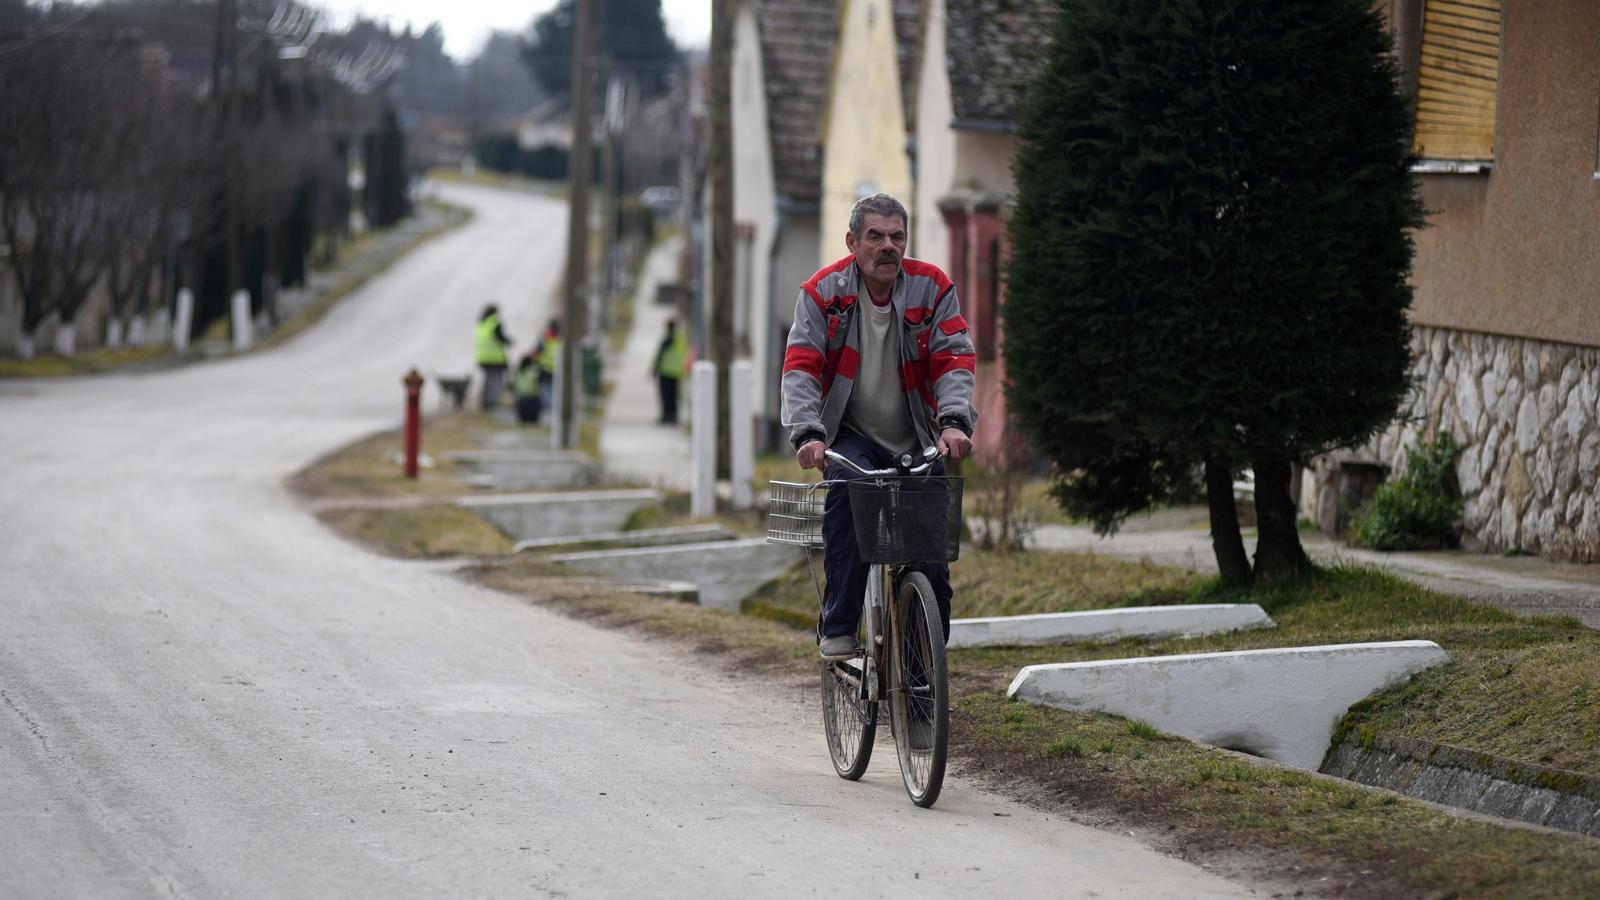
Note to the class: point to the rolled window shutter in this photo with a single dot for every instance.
(1457, 80)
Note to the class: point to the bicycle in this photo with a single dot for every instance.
(903, 516)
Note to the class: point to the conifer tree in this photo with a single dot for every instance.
(1210, 251)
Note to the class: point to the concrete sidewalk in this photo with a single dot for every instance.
(1526, 586)
(633, 448)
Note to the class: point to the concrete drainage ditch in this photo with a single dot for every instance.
(533, 516)
(725, 571)
(519, 469)
(1453, 776)
(642, 537)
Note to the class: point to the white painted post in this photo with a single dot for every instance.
(557, 441)
(184, 321)
(741, 444)
(703, 441)
(241, 320)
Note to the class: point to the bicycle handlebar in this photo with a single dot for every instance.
(929, 456)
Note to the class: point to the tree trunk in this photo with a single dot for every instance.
(1226, 541)
(1278, 551)
(67, 339)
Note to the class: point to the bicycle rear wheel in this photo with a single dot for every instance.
(919, 700)
(849, 720)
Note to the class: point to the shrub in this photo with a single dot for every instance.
(1419, 510)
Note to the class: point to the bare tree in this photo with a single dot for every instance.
(162, 163)
(65, 102)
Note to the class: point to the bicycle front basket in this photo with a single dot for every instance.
(910, 519)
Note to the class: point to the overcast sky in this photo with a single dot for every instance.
(468, 22)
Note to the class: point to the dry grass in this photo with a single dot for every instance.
(424, 531)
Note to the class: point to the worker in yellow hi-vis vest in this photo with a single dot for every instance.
(671, 361)
(549, 355)
(489, 347)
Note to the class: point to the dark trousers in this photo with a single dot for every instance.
(841, 560)
(494, 377)
(529, 408)
(669, 399)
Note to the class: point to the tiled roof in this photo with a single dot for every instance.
(797, 44)
(993, 48)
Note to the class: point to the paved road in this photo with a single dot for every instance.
(204, 693)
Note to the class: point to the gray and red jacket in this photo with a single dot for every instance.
(936, 355)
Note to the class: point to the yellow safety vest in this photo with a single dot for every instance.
(674, 357)
(526, 382)
(548, 355)
(490, 351)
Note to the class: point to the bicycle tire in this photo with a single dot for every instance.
(849, 722)
(919, 700)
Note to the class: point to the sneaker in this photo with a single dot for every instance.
(840, 646)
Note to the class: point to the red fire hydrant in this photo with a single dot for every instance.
(413, 383)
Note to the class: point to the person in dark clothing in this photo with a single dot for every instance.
(668, 368)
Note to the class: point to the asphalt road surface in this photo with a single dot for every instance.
(204, 693)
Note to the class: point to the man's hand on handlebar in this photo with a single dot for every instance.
(810, 455)
(953, 443)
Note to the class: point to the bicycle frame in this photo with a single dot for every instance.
(876, 605)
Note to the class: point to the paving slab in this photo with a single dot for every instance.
(1043, 629)
(1281, 704)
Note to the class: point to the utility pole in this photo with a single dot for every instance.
(721, 299)
(574, 310)
(609, 234)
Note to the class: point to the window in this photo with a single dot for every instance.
(1458, 80)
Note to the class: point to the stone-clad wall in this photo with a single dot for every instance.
(1526, 417)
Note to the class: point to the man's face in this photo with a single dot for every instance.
(880, 247)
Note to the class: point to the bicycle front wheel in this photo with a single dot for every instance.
(849, 719)
(919, 700)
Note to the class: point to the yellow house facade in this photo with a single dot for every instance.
(864, 122)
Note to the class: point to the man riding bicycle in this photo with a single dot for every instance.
(872, 381)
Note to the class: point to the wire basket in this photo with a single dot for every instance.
(794, 513)
(910, 519)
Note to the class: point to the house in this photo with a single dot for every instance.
(779, 84)
(1505, 317)
(864, 130)
(975, 62)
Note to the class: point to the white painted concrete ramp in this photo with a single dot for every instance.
(1281, 703)
(1107, 625)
